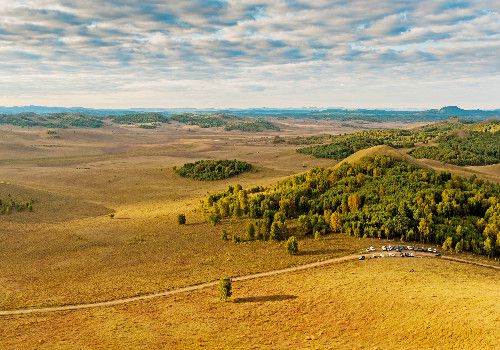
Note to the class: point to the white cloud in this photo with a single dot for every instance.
(248, 52)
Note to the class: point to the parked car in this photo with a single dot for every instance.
(401, 255)
(372, 249)
(362, 257)
(392, 254)
(384, 248)
(429, 250)
(382, 255)
(434, 250)
(410, 247)
(437, 254)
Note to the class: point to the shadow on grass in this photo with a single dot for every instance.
(265, 298)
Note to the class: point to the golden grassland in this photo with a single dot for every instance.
(69, 250)
(418, 303)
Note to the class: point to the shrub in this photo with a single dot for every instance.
(292, 245)
(224, 235)
(236, 238)
(214, 218)
(181, 219)
(225, 288)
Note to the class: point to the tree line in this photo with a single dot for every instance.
(460, 142)
(228, 121)
(52, 120)
(469, 148)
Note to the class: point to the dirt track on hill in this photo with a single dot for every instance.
(121, 301)
(470, 262)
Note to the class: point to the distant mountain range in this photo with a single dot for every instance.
(329, 113)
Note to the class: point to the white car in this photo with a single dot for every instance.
(372, 249)
(392, 254)
(429, 250)
(384, 248)
(382, 255)
(389, 248)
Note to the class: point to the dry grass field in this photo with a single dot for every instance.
(69, 250)
(395, 303)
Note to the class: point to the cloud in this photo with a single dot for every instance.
(257, 47)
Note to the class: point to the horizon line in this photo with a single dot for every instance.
(412, 109)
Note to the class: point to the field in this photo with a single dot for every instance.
(392, 303)
(70, 250)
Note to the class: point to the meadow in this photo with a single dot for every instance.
(104, 226)
(375, 304)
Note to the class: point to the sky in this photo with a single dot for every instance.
(241, 54)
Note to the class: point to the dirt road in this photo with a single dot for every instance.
(171, 292)
(206, 285)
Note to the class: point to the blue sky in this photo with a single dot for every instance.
(217, 53)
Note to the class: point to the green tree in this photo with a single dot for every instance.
(488, 246)
(354, 202)
(336, 222)
(225, 288)
(251, 231)
(276, 233)
(448, 244)
(304, 223)
(292, 245)
(181, 219)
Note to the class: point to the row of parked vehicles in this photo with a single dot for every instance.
(401, 250)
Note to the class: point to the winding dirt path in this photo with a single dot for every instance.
(202, 286)
(171, 292)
